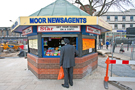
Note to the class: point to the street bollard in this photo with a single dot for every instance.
(132, 52)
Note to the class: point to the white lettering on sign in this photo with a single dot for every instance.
(27, 31)
(93, 30)
(59, 29)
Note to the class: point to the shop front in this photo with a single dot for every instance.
(43, 60)
(46, 37)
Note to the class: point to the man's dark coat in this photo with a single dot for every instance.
(67, 56)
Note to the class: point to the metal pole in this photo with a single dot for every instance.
(132, 51)
(128, 45)
(112, 53)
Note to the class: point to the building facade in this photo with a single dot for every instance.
(119, 22)
(7, 35)
(87, 9)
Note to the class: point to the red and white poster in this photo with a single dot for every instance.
(93, 30)
(58, 28)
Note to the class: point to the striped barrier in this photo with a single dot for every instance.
(107, 78)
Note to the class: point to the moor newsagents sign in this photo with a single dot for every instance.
(58, 20)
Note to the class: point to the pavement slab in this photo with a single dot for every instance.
(16, 76)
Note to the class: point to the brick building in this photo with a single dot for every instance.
(87, 9)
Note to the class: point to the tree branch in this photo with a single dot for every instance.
(105, 4)
(95, 3)
(102, 8)
(90, 6)
(78, 2)
(107, 8)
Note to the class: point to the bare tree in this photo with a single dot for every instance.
(104, 5)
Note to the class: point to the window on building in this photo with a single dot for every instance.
(15, 34)
(108, 18)
(7, 33)
(2, 33)
(116, 35)
(11, 34)
(107, 34)
(87, 7)
(20, 35)
(123, 18)
(116, 18)
(123, 34)
(123, 26)
(115, 26)
(131, 18)
(131, 25)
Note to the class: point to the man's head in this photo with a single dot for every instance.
(66, 41)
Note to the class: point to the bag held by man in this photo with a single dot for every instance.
(61, 73)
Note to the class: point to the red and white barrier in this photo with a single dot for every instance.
(106, 79)
(121, 62)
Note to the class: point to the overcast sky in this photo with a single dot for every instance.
(12, 9)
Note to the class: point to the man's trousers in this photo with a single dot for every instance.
(68, 76)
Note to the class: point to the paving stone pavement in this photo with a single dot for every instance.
(15, 76)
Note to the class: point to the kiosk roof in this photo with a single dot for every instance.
(60, 8)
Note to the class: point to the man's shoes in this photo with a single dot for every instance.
(65, 86)
(71, 84)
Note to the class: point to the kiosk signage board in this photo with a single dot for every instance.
(93, 30)
(59, 29)
(16, 24)
(27, 31)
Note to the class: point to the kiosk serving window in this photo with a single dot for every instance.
(52, 45)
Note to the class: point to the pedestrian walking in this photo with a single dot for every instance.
(121, 48)
(107, 44)
(113, 45)
(67, 61)
(101, 45)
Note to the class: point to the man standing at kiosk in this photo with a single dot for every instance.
(67, 61)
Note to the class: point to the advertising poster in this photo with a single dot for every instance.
(88, 43)
(33, 44)
(30, 43)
